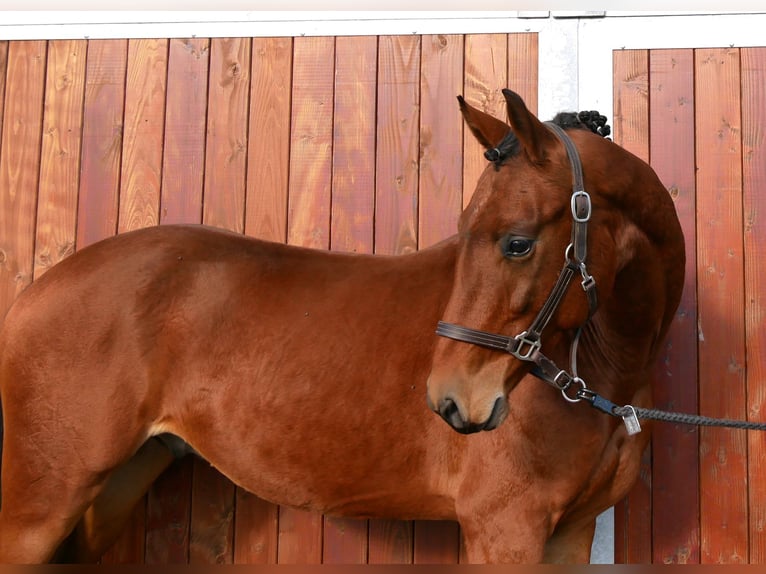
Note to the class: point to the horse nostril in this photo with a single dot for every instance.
(448, 409)
(498, 414)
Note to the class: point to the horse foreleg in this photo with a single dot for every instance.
(105, 519)
(507, 537)
(570, 544)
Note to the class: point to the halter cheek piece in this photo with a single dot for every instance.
(526, 345)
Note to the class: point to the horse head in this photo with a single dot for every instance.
(539, 253)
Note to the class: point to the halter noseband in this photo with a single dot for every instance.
(526, 345)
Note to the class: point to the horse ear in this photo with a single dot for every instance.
(486, 128)
(535, 138)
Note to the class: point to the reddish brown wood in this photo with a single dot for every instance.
(486, 74)
(269, 138)
(723, 452)
(353, 157)
(441, 130)
(754, 183)
(144, 134)
(255, 530)
(522, 67)
(211, 539)
(102, 130)
(3, 68)
(183, 160)
(397, 156)
(436, 542)
(300, 536)
(675, 489)
(633, 536)
(60, 155)
(308, 217)
(391, 542)
(168, 515)
(19, 166)
(226, 147)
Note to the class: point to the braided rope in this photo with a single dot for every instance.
(687, 419)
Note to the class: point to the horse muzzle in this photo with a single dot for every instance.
(449, 409)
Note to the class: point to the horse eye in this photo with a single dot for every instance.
(516, 246)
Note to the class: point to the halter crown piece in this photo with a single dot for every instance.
(526, 346)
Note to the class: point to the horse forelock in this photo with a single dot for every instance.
(585, 120)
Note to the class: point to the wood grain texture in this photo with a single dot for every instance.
(211, 539)
(183, 159)
(353, 157)
(523, 67)
(168, 515)
(300, 536)
(144, 134)
(227, 123)
(256, 533)
(3, 69)
(20, 166)
(60, 155)
(441, 132)
(269, 138)
(633, 516)
(308, 218)
(391, 542)
(675, 488)
(722, 392)
(397, 161)
(753, 62)
(101, 148)
(486, 74)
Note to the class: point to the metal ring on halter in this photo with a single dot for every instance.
(576, 398)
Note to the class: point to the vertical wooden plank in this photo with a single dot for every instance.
(102, 131)
(143, 139)
(723, 452)
(754, 184)
(256, 530)
(256, 521)
(344, 540)
(486, 74)
(269, 139)
(213, 495)
(139, 200)
(675, 448)
(633, 516)
(396, 210)
(308, 225)
(308, 222)
(441, 132)
(168, 515)
(436, 542)
(523, 67)
(185, 114)
(391, 541)
(226, 150)
(353, 158)
(3, 70)
(60, 155)
(20, 166)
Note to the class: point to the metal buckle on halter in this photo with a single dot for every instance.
(588, 282)
(584, 194)
(521, 340)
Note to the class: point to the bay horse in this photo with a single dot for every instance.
(305, 376)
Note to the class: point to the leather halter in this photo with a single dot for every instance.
(526, 345)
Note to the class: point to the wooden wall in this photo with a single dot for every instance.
(347, 143)
(699, 117)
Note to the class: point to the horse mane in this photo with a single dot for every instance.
(585, 120)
